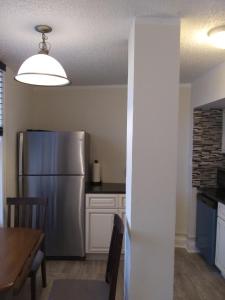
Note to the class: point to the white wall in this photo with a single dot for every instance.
(209, 87)
(152, 133)
(184, 167)
(16, 117)
(101, 111)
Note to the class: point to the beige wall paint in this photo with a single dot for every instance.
(184, 194)
(98, 110)
(16, 117)
(101, 111)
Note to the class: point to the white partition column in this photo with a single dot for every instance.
(152, 132)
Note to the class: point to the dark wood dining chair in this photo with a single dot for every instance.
(94, 289)
(30, 213)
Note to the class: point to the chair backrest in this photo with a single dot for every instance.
(114, 256)
(28, 212)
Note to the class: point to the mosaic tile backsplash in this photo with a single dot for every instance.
(207, 142)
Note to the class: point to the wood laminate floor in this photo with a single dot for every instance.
(194, 280)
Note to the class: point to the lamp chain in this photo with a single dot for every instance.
(43, 46)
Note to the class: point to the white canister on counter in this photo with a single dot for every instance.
(96, 172)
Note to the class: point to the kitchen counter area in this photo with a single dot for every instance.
(106, 188)
(215, 194)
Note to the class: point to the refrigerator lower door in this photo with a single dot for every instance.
(65, 211)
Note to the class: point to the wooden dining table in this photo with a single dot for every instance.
(18, 247)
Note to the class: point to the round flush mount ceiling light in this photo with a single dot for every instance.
(42, 69)
(217, 36)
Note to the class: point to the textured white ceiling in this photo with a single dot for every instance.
(90, 37)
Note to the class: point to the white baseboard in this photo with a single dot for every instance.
(191, 245)
(182, 241)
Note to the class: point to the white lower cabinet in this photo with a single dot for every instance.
(99, 221)
(220, 245)
(99, 224)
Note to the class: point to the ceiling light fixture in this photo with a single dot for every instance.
(42, 69)
(217, 36)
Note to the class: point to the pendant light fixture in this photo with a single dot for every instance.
(42, 69)
(217, 36)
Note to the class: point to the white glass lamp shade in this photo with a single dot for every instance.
(42, 69)
(217, 37)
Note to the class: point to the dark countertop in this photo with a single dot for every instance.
(216, 194)
(106, 188)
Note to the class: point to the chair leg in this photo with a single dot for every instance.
(33, 286)
(43, 273)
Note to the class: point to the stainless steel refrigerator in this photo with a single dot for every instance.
(55, 165)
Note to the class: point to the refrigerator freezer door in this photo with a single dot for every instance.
(52, 153)
(65, 213)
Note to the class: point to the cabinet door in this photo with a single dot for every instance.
(220, 245)
(206, 229)
(99, 224)
(105, 201)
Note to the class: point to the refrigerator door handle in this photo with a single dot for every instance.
(81, 216)
(20, 153)
(20, 186)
